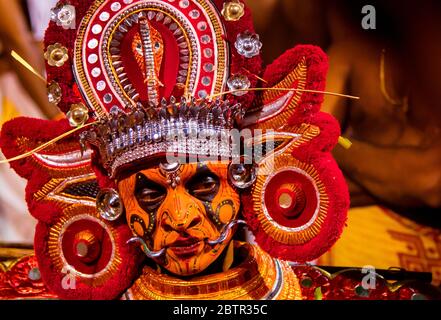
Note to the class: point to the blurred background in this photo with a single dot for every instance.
(22, 26)
(393, 168)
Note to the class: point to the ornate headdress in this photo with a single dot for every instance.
(145, 78)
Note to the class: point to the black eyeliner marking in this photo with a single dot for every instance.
(203, 172)
(143, 182)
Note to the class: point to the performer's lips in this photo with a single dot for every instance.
(185, 247)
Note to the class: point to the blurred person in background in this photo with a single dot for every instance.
(394, 165)
(21, 93)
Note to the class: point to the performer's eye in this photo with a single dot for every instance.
(149, 194)
(203, 186)
(157, 46)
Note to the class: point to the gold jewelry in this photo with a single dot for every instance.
(257, 277)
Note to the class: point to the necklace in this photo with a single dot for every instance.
(258, 277)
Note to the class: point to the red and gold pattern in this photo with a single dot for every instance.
(303, 224)
(356, 284)
(62, 197)
(21, 279)
(287, 223)
(72, 246)
(200, 54)
(250, 279)
(196, 20)
(258, 277)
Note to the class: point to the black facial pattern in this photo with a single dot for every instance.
(204, 186)
(149, 196)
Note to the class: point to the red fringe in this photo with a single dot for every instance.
(48, 213)
(113, 288)
(317, 68)
(315, 152)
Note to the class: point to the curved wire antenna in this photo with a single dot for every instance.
(17, 57)
(150, 254)
(286, 90)
(48, 144)
(25, 64)
(344, 142)
(225, 232)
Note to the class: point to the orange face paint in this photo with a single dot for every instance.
(157, 49)
(184, 217)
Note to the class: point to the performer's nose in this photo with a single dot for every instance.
(183, 214)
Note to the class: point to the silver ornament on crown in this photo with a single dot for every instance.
(189, 127)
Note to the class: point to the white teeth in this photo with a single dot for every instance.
(122, 28)
(167, 20)
(180, 39)
(114, 51)
(141, 15)
(180, 79)
(128, 23)
(119, 70)
(116, 57)
(183, 73)
(159, 16)
(122, 76)
(135, 18)
(173, 27)
(185, 58)
(135, 97)
(117, 64)
(115, 43)
(151, 15)
(128, 87)
(185, 52)
(118, 36)
(178, 32)
(184, 66)
(183, 45)
(124, 81)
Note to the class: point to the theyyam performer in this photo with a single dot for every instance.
(176, 137)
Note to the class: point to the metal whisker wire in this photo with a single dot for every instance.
(286, 90)
(344, 142)
(47, 144)
(150, 254)
(158, 254)
(226, 232)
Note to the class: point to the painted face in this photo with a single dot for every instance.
(181, 211)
